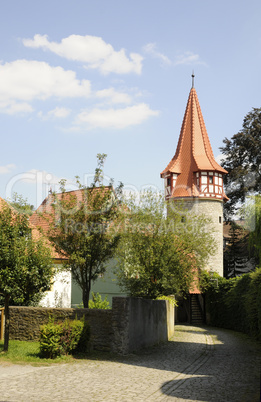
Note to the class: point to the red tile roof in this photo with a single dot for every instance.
(43, 218)
(194, 152)
(36, 234)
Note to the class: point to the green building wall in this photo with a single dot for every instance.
(106, 285)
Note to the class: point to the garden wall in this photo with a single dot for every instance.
(25, 323)
(130, 325)
(139, 323)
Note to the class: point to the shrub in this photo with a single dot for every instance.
(234, 303)
(50, 336)
(64, 338)
(98, 303)
(170, 299)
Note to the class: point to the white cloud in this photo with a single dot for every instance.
(151, 49)
(189, 58)
(113, 96)
(23, 81)
(7, 168)
(116, 118)
(92, 50)
(12, 107)
(58, 112)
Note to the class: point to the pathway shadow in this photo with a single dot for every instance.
(228, 370)
(203, 389)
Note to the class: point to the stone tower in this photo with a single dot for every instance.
(194, 176)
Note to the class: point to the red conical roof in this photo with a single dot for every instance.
(194, 152)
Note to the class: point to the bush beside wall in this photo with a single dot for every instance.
(234, 303)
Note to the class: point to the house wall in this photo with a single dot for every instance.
(106, 285)
(60, 293)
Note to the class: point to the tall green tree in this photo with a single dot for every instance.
(238, 258)
(82, 231)
(242, 160)
(25, 262)
(160, 254)
(252, 215)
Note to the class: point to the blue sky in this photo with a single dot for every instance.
(83, 77)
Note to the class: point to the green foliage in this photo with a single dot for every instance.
(234, 303)
(159, 254)
(242, 160)
(21, 204)
(50, 340)
(83, 232)
(64, 338)
(237, 254)
(170, 299)
(25, 262)
(98, 303)
(252, 214)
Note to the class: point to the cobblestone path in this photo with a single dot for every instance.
(199, 364)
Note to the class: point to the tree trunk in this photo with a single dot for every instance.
(7, 323)
(85, 297)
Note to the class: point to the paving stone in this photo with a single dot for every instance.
(198, 364)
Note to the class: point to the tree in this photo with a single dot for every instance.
(160, 255)
(252, 214)
(238, 257)
(82, 231)
(242, 160)
(25, 262)
(21, 204)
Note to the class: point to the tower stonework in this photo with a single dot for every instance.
(196, 179)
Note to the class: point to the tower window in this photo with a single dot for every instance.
(168, 181)
(220, 219)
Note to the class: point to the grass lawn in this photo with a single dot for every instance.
(25, 352)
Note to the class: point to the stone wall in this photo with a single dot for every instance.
(25, 323)
(139, 323)
(131, 324)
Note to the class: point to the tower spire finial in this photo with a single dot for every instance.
(193, 76)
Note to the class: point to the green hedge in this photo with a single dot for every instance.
(234, 303)
(64, 338)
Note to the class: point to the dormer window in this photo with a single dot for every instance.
(209, 184)
(170, 182)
